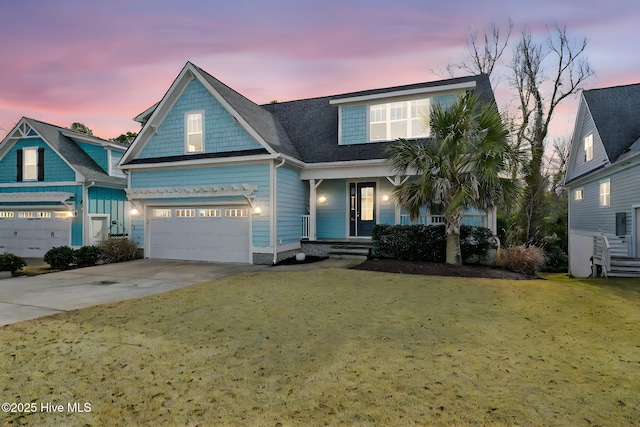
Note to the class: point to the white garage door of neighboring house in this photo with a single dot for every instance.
(32, 234)
(199, 234)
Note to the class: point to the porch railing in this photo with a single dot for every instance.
(606, 254)
(305, 226)
(423, 219)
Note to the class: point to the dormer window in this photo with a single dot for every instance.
(194, 133)
(404, 119)
(588, 147)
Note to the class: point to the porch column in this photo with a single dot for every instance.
(312, 209)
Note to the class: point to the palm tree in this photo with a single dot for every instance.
(463, 165)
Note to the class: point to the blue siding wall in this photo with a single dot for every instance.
(98, 154)
(137, 231)
(387, 210)
(332, 216)
(115, 158)
(354, 125)
(254, 174)
(293, 198)
(55, 169)
(222, 133)
(111, 202)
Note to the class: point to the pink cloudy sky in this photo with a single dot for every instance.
(103, 62)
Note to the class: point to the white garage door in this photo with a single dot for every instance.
(199, 233)
(32, 234)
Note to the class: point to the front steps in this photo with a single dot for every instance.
(349, 251)
(624, 267)
(338, 248)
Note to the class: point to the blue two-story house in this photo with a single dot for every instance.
(602, 179)
(214, 176)
(58, 188)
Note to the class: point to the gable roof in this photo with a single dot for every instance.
(60, 140)
(616, 114)
(304, 129)
(258, 122)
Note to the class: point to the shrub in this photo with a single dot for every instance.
(476, 242)
(87, 255)
(60, 258)
(428, 242)
(11, 262)
(523, 259)
(117, 249)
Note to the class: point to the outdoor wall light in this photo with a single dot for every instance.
(257, 210)
(134, 212)
(322, 200)
(385, 197)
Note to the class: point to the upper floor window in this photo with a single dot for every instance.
(578, 194)
(30, 164)
(404, 119)
(588, 147)
(605, 193)
(194, 133)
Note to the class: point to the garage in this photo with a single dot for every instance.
(30, 234)
(200, 233)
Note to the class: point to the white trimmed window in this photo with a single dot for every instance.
(162, 213)
(25, 214)
(578, 194)
(404, 119)
(44, 214)
(605, 193)
(30, 164)
(185, 213)
(5, 214)
(194, 133)
(210, 212)
(236, 212)
(588, 147)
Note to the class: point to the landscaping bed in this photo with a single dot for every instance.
(390, 265)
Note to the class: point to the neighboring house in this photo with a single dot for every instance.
(57, 188)
(217, 177)
(603, 182)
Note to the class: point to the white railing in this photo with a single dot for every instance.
(305, 226)
(423, 219)
(606, 254)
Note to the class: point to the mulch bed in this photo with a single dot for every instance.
(439, 269)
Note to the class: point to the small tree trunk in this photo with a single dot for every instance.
(454, 255)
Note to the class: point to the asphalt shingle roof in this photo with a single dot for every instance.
(616, 113)
(75, 155)
(312, 124)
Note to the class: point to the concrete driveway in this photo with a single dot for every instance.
(24, 298)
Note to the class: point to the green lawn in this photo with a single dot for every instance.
(337, 347)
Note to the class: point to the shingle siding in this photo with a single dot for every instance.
(55, 169)
(221, 132)
(353, 124)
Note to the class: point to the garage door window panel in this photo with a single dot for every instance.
(162, 213)
(236, 213)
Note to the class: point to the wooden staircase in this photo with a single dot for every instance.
(614, 259)
(624, 267)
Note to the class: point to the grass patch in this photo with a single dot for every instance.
(339, 347)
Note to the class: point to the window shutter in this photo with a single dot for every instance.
(41, 164)
(19, 156)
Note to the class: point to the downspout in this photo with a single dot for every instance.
(274, 207)
(85, 212)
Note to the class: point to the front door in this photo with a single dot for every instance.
(362, 208)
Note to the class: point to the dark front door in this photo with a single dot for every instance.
(362, 208)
